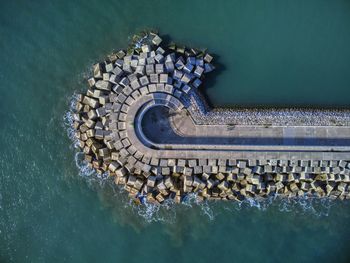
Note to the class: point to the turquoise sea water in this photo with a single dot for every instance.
(269, 53)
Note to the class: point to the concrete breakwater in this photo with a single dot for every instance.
(198, 150)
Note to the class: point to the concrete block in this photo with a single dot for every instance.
(165, 171)
(154, 78)
(159, 68)
(192, 163)
(121, 54)
(135, 84)
(114, 79)
(93, 103)
(127, 68)
(170, 57)
(126, 142)
(169, 66)
(208, 58)
(197, 169)
(97, 71)
(134, 63)
(205, 176)
(180, 63)
(188, 180)
(156, 40)
(130, 100)
(121, 125)
(150, 60)
(127, 90)
(142, 61)
(332, 163)
(136, 94)
(208, 169)
(343, 164)
(188, 171)
(152, 88)
(117, 88)
(177, 75)
(181, 162)
(210, 183)
(124, 108)
(103, 85)
(171, 162)
(242, 164)
(186, 89)
(163, 78)
(160, 87)
(131, 149)
(163, 162)
(144, 81)
(109, 67)
(124, 81)
(122, 116)
(150, 69)
(146, 48)
(188, 68)
(140, 70)
(186, 78)
(220, 176)
(91, 82)
(119, 63)
(154, 161)
(169, 88)
(191, 60)
(160, 50)
(159, 58)
(324, 163)
(144, 90)
(121, 98)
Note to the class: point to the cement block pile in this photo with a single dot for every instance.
(152, 73)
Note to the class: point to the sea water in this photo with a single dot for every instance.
(268, 53)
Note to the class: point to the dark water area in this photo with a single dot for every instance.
(52, 209)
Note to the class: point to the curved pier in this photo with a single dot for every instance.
(144, 122)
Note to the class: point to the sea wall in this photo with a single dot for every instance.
(107, 120)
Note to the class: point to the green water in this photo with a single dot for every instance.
(271, 52)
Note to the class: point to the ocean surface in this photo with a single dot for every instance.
(269, 53)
